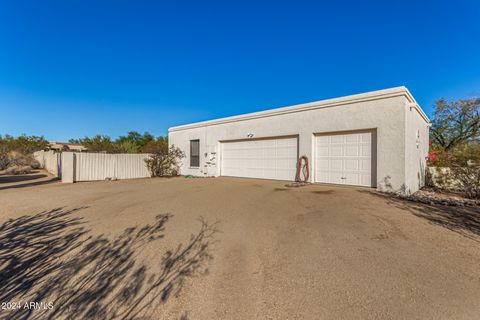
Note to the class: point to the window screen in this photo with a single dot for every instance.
(194, 153)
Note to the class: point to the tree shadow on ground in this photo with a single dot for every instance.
(463, 220)
(51, 257)
(21, 177)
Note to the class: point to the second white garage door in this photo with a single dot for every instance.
(262, 158)
(344, 159)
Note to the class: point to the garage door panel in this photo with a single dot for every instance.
(366, 150)
(266, 158)
(351, 138)
(336, 150)
(365, 179)
(351, 178)
(323, 177)
(337, 139)
(283, 153)
(322, 151)
(335, 164)
(366, 138)
(344, 159)
(323, 163)
(323, 140)
(351, 150)
(365, 165)
(352, 164)
(335, 177)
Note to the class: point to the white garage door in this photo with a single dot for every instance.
(262, 158)
(344, 159)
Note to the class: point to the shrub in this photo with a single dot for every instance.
(468, 179)
(19, 159)
(465, 170)
(458, 170)
(165, 162)
(14, 170)
(23, 144)
(4, 159)
(439, 158)
(133, 142)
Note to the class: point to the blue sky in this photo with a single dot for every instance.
(70, 69)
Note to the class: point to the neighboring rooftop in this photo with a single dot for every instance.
(55, 145)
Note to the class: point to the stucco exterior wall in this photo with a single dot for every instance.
(386, 115)
(416, 149)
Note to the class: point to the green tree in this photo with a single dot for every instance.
(455, 123)
(160, 144)
(23, 144)
(98, 143)
(133, 142)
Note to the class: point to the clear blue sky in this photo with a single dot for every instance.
(75, 68)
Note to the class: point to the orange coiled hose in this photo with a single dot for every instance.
(302, 168)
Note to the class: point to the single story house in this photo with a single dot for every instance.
(376, 139)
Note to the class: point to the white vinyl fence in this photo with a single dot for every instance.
(101, 166)
(50, 161)
(84, 166)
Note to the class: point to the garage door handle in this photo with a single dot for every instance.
(343, 178)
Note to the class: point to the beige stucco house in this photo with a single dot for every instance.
(376, 139)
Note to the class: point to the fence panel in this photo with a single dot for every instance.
(100, 166)
(50, 161)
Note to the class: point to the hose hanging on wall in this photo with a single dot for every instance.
(302, 169)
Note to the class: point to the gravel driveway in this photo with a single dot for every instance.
(227, 248)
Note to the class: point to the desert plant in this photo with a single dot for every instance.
(21, 160)
(165, 162)
(160, 144)
(98, 143)
(438, 158)
(133, 142)
(4, 158)
(23, 144)
(14, 170)
(468, 179)
(465, 169)
(127, 146)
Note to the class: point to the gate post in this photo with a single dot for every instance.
(68, 167)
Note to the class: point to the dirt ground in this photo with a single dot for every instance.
(227, 248)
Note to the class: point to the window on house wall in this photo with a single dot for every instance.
(194, 153)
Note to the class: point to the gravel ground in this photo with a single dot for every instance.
(229, 248)
(436, 197)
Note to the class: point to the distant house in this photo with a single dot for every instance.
(65, 146)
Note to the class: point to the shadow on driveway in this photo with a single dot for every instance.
(17, 181)
(463, 220)
(21, 177)
(50, 257)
